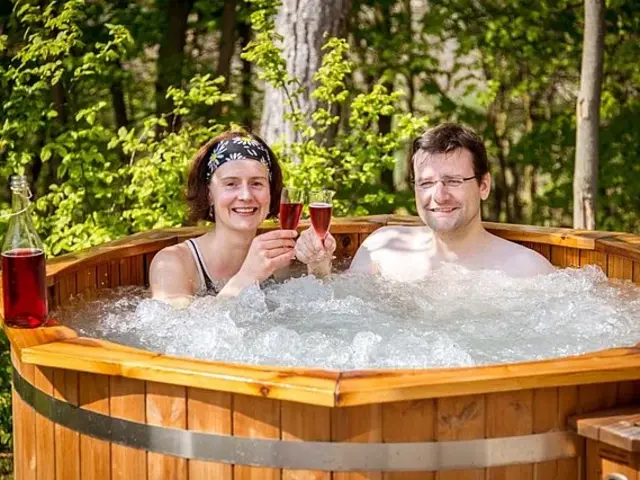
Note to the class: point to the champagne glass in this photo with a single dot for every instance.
(320, 208)
(291, 201)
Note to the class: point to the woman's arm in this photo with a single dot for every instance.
(268, 253)
(169, 280)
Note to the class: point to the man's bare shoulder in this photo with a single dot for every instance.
(397, 236)
(520, 261)
(379, 250)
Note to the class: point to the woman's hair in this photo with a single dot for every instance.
(199, 179)
(448, 137)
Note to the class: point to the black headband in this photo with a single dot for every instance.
(238, 148)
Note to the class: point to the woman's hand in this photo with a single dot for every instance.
(268, 252)
(316, 252)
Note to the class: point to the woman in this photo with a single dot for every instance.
(234, 181)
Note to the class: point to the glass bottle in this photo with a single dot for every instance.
(23, 264)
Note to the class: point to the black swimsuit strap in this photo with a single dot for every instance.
(208, 283)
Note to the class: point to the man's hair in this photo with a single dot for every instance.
(198, 182)
(448, 137)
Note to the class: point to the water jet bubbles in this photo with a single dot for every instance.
(452, 317)
(363, 348)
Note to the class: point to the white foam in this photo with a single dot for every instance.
(451, 318)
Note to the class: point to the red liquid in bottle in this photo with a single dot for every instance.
(290, 215)
(320, 217)
(23, 287)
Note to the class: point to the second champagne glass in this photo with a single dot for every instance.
(291, 201)
(320, 208)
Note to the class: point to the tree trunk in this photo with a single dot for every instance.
(227, 46)
(411, 94)
(383, 19)
(302, 25)
(171, 56)
(118, 103)
(246, 89)
(585, 179)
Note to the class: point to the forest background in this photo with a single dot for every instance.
(104, 102)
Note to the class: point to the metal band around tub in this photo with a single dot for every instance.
(332, 456)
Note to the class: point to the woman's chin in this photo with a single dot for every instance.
(249, 222)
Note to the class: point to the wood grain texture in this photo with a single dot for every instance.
(411, 421)
(357, 424)
(619, 267)
(510, 414)
(461, 418)
(209, 411)
(95, 453)
(24, 428)
(45, 429)
(545, 419)
(567, 406)
(167, 407)
(310, 423)
(127, 401)
(67, 442)
(256, 418)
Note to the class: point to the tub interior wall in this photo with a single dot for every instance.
(133, 269)
(59, 453)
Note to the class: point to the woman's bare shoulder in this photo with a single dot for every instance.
(171, 272)
(171, 257)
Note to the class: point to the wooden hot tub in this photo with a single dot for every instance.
(85, 408)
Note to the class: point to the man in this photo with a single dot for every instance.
(451, 172)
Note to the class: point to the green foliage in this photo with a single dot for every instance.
(351, 161)
(108, 183)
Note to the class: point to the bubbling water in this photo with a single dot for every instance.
(451, 318)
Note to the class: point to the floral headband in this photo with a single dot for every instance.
(238, 148)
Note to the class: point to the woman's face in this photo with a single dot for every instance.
(240, 195)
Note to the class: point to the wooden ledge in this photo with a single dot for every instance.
(624, 244)
(327, 387)
(315, 387)
(619, 427)
(21, 338)
(564, 237)
(364, 387)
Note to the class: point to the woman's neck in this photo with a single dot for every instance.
(225, 250)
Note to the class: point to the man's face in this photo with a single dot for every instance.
(447, 208)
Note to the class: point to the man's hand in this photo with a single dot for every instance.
(313, 250)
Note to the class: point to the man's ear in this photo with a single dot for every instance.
(485, 186)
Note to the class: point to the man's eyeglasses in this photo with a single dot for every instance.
(449, 182)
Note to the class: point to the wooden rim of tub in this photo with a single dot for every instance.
(58, 346)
